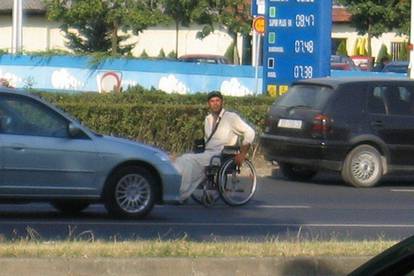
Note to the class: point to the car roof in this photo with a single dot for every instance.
(4, 89)
(393, 63)
(201, 56)
(22, 92)
(335, 82)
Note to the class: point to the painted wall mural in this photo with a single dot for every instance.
(77, 74)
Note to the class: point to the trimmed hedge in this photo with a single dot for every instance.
(170, 122)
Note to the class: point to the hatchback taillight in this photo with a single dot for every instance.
(268, 123)
(321, 125)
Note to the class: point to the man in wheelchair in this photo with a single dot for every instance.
(221, 128)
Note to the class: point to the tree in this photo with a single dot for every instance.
(374, 17)
(181, 12)
(234, 15)
(94, 25)
(401, 16)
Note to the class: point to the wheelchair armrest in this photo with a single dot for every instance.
(230, 150)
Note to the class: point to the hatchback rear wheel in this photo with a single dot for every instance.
(130, 193)
(296, 172)
(362, 167)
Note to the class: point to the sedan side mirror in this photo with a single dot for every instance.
(74, 131)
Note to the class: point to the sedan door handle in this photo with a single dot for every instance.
(19, 147)
(377, 124)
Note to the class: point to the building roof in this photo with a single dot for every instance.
(340, 15)
(32, 6)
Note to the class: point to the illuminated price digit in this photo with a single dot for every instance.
(303, 46)
(303, 21)
(302, 72)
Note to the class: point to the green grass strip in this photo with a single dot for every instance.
(183, 248)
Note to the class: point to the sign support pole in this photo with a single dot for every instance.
(17, 26)
(257, 59)
(411, 63)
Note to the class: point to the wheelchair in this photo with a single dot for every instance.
(234, 184)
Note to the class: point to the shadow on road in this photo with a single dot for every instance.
(301, 266)
(334, 179)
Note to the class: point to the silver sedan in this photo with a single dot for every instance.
(48, 156)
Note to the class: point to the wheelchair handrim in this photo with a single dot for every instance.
(223, 181)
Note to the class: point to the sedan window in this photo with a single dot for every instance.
(24, 116)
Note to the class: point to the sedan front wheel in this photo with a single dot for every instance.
(130, 193)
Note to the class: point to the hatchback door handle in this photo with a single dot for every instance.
(377, 124)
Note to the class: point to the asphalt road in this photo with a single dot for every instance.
(323, 209)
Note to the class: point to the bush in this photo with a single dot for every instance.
(144, 54)
(170, 122)
(161, 54)
(383, 53)
(172, 55)
(341, 50)
(229, 54)
(405, 53)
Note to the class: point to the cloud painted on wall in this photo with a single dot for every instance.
(171, 84)
(62, 79)
(233, 87)
(13, 79)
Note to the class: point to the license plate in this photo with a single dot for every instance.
(286, 123)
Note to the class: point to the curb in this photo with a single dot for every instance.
(180, 266)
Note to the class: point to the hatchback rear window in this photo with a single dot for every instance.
(307, 96)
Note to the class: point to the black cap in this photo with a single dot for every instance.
(214, 94)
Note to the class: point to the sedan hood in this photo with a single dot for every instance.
(123, 141)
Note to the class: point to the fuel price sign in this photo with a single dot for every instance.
(297, 42)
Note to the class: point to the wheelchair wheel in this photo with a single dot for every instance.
(237, 185)
(204, 196)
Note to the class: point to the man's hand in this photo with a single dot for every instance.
(239, 158)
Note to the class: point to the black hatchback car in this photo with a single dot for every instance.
(363, 128)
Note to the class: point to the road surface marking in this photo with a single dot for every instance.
(403, 190)
(280, 206)
(203, 224)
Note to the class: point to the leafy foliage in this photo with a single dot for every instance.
(93, 25)
(370, 16)
(234, 15)
(400, 14)
(181, 12)
(341, 50)
(161, 53)
(375, 17)
(142, 115)
(383, 54)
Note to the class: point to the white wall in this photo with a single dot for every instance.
(163, 37)
(345, 31)
(40, 34)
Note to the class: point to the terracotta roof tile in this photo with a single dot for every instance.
(340, 15)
